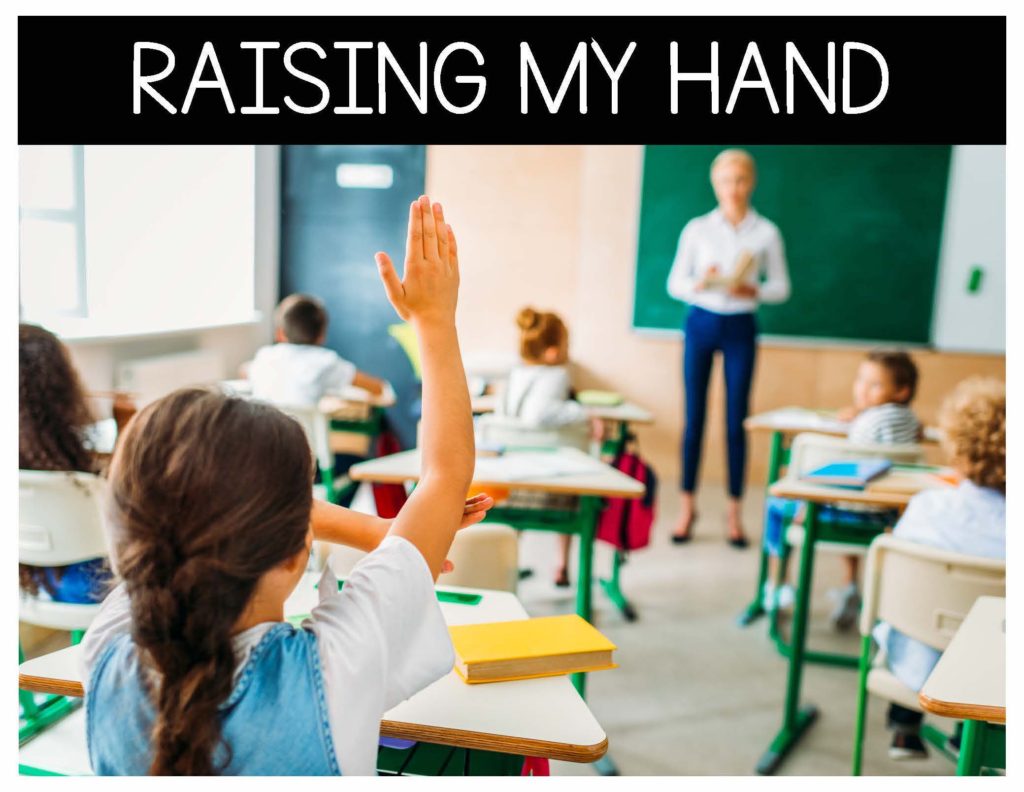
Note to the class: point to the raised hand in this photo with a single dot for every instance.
(429, 288)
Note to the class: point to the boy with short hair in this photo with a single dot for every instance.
(298, 370)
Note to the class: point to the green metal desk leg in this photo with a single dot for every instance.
(776, 458)
(613, 590)
(587, 517)
(796, 720)
(981, 745)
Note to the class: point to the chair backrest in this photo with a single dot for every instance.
(511, 432)
(923, 592)
(485, 555)
(317, 426)
(60, 517)
(811, 450)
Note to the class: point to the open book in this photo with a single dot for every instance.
(740, 272)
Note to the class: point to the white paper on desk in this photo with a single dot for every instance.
(807, 419)
(527, 466)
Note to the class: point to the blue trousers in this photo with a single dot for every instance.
(735, 336)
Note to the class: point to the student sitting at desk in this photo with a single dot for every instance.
(538, 395)
(885, 384)
(970, 519)
(53, 420)
(298, 370)
(190, 668)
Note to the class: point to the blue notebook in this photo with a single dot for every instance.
(853, 473)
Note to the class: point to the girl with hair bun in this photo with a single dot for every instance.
(538, 393)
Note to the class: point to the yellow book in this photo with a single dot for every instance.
(527, 648)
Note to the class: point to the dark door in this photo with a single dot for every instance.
(339, 205)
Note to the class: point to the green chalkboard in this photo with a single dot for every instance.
(861, 227)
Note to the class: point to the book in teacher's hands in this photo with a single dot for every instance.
(741, 271)
(852, 473)
(527, 648)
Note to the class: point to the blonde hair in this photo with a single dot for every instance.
(539, 330)
(738, 154)
(973, 423)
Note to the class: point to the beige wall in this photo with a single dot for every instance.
(556, 226)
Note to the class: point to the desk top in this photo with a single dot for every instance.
(564, 470)
(894, 489)
(532, 717)
(626, 412)
(970, 678)
(331, 404)
(792, 420)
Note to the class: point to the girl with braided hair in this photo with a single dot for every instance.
(190, 667)
(52, 420)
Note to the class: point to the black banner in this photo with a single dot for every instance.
(89, 80)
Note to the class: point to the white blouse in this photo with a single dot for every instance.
(712, 240)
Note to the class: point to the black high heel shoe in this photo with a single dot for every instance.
(686, 537)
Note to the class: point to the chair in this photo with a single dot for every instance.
(485, 555)
(924, 593)
(848, 536)
(60, 522)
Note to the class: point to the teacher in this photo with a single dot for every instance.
(728, 261)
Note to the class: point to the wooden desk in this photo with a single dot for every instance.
(969, 683)
(533, 717)
(793, 420)
(524, 470)
(627, 412)
(891, 491)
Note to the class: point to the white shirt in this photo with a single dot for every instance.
(298, 375)
(539, 396)
(970, 520)
(885, 423)
(711, 239)
(381, 639)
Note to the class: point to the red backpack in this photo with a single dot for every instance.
(625, 523)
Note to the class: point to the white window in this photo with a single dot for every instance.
(126, 240)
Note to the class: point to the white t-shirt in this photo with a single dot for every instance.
(711, 239)
(381, 639)
(298, 375)
(538, 395)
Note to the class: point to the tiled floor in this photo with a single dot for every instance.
(694, 694)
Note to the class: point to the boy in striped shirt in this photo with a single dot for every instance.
(882, 391)
(885, 385)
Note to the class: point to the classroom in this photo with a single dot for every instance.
(662, 400)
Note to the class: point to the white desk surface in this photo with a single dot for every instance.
(627, 411)
(517, 469)
(329, 404)
(970, 678)
(532, 717)
(894, 489)
(791, 420)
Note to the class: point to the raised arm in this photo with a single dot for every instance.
(426, 297)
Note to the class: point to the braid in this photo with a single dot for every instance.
(192, 551)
